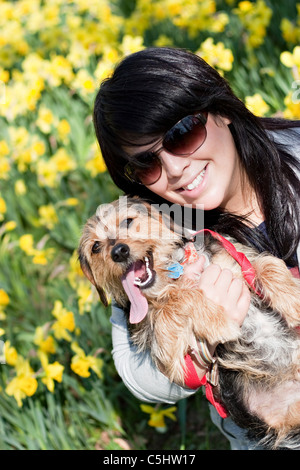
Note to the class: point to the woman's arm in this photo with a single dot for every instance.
(137, 370)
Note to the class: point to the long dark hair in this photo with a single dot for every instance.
(151, 90)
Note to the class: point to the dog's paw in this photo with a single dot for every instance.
(290, 312)
(230, 331)
(220, 331)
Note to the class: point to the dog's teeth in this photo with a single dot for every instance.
(138, 281)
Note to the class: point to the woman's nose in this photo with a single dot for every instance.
(173, 164)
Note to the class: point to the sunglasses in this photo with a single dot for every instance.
(183, 139)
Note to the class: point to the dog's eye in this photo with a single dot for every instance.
(126, 222)
(96, 247)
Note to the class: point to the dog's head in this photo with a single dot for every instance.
(127, 245)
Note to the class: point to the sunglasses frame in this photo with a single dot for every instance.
(202, 116)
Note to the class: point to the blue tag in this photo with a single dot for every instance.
(175, 270)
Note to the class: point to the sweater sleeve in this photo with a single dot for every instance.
(137, 370)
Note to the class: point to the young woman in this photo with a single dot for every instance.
(171, 130)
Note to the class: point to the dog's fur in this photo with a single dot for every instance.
(258, 363)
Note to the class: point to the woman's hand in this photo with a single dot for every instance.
(223, 289)
(220, 286)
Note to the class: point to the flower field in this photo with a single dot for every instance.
(58, 386)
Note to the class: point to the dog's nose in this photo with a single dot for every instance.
(120, 252)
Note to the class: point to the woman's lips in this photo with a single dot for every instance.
(196, 183)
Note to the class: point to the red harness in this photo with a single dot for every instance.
(191, 379)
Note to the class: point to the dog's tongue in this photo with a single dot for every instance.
(139, 304)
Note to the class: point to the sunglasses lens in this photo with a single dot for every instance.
(186, 136)
(151, 175)
(146, 174)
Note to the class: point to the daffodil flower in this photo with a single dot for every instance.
(65, 321)
(81, 363)
(46, 344)
(10, 354)
(52, 372)
(158, 415)
(24, 384)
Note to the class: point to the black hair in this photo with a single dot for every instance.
(151, 90)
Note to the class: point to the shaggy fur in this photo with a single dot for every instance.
(259, 381)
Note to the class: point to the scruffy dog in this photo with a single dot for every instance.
(127, 251)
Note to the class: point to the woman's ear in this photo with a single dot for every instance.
(221, 120)
(225, 120)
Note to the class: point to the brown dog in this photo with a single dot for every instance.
(128, 250)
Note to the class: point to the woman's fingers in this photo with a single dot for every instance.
(223, 289)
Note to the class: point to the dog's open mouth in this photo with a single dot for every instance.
(138, 276)
(144, 272)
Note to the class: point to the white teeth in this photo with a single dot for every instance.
(137, 280)
(196, 181)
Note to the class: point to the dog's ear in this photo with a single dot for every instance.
(102, 295)
(86, 269)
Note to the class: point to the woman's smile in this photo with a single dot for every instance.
(196, 183)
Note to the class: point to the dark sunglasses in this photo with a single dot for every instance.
(183, 139)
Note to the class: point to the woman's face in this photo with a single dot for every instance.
(209, 178)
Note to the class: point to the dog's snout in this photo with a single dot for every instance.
(120, 252)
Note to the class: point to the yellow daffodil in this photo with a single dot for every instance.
(24, 384)
(85, 296)
(45, 343)
(4, 299)
(26, 243)
(52, 372)
(290, 30)
(2, 208)
(10, 225)
(256, 104)
(216, 54)
(37, 148)
(58, 70)
(290, 59)
(63, 160)
(47, 173)
(64, 130)
(45, 119)
(71, 201)
(255, 17)
(131, 44)
(65, 321)
(158, 415)
(48, 216)
(81, 363)
(75, 272)
(95, 164)
(4, 148)
(10, 354)
(292, 103)
(84, 83)
(4, 168)
(20, 187)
